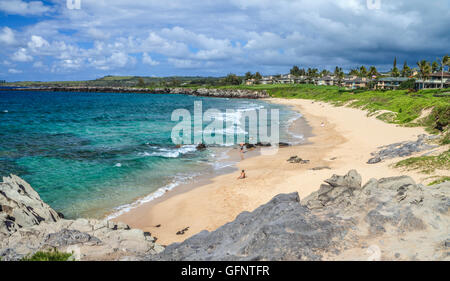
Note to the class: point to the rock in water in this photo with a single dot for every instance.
(201, 146)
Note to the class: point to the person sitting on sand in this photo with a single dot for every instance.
(242, 176)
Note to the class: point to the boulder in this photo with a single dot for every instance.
(28, 225)
(402, 149)
(21, 206)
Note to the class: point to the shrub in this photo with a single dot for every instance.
(48, 256)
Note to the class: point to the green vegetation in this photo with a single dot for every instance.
(427, 164)
(407, 85)
(48, 256)
(439, 180)
(406, 106)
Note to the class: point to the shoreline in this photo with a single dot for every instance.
(201, 92)
(345, 142)
(297, 126)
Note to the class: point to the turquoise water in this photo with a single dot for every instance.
(88, 153)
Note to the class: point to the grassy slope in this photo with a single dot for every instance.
(404, 108)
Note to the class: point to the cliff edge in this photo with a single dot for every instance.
(28, 225)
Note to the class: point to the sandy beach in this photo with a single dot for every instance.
(343, 143)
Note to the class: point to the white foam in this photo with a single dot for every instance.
(179, 179)
(118, 165)
(300, 138)
(170, 152)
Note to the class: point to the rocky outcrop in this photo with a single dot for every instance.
(29, 225)
(279, 230)
(21, 206)
(205, 92)
(402, 149)
(344, 220)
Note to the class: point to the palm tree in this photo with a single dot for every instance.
(312, 73)
(424, 70)
(394, 70)
(406, 71)
(373, 71)
(354, 72)
(363, 71)
(445, 61)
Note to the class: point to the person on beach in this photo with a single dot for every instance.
(241, 150)
(242, 176)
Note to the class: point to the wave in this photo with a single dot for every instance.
(300, 138)
(170, 152)
(179, 179)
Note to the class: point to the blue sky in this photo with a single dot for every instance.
(47, 41)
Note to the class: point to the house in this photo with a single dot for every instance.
(267, 80)
(391, 83)
(327, 81)
(355, 82)
(434, 81)
(250, 82)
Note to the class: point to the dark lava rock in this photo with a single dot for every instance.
(201, 146)
(297, 160)
(402, 149)
(283, 144)
(279, 230)
(267, 144)
(68, 237)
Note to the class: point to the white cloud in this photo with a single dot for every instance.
(182, 63)
(14, 71)
(39, 64)
(19, 7)
(7, 36)
(116, 60)
(218, 37)
(37, 42)
(21, 55)
(148, 60)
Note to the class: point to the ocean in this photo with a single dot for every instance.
(94, 154)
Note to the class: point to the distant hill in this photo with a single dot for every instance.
(128, 81)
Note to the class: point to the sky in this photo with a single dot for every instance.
(58, 40)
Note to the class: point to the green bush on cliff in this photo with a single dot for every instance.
(48, 256)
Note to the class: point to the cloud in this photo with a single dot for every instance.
(115, 61)
(37, 42)
(7, 36)
(14, 71)
(21, 56)
(148, 60)
(18, 7)
(39, 64)
(218, 37)
(180, 63)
